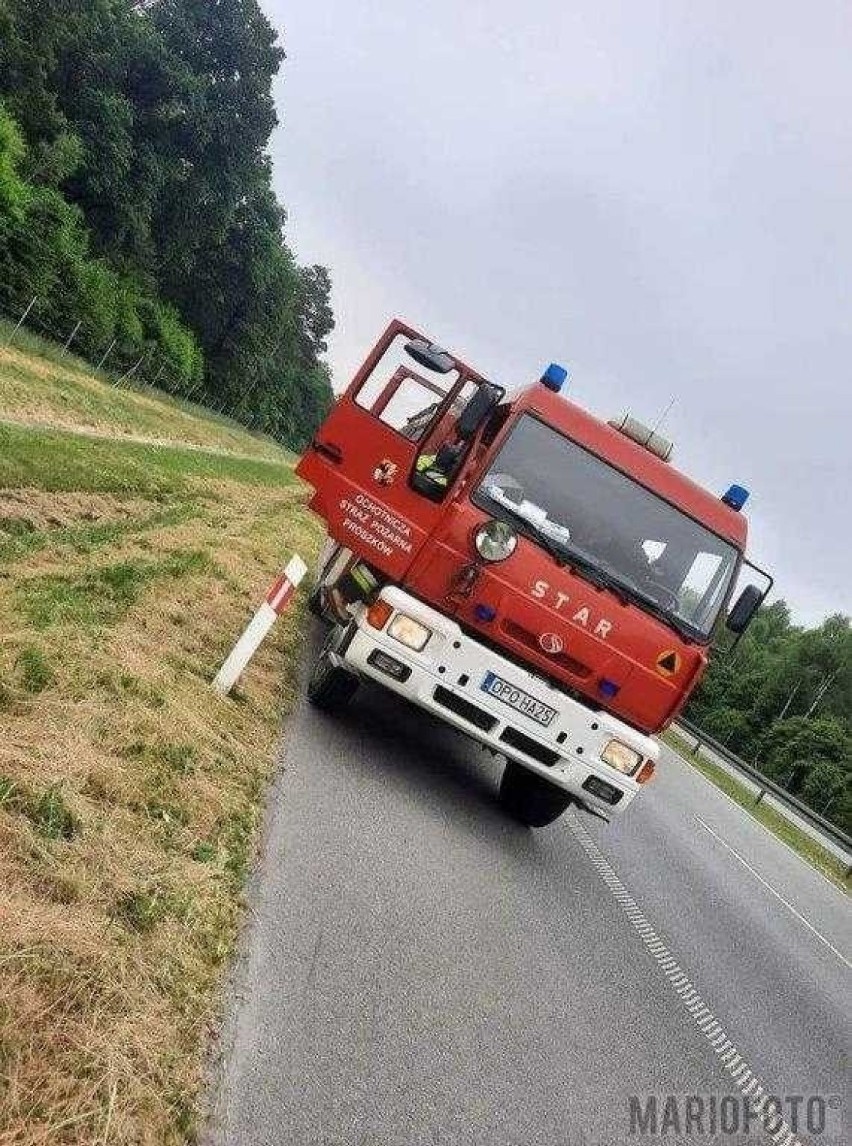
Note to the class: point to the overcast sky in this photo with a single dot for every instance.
(656, 195)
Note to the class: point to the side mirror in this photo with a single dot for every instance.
(744, 608)
(478, 410)
(431, 356)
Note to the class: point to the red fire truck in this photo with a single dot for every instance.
(544, 581)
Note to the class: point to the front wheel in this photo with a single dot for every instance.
(316, 600)
(316, 603)
(530, 799)
(330, 687)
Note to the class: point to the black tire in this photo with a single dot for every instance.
(315, 604)
(330, 687)
(530, 799)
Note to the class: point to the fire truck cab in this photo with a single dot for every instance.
(544, 581)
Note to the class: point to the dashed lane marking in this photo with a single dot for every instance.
(769, 887)
(741, 1073)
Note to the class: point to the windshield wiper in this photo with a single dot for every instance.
(528, 527)
(683, 629)
(591, 570)
(565, 554)
(628, 591)
(602, 576)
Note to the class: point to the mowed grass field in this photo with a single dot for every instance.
(129, 793)
(39, 385)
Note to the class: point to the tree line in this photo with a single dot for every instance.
(783, 701)
(136, 198)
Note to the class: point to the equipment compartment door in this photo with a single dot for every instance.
(391, 419)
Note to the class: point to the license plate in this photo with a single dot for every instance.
(518, 699)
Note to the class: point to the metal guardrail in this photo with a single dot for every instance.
(766, 785)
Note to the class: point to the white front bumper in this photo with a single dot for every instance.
(446, 678)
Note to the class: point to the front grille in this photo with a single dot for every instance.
(511, 655)
(526, 744)
(531, 640)
(463, 708)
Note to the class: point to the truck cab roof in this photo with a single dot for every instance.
(633, 459)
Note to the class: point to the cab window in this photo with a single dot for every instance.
(403, 395)
(416, 390)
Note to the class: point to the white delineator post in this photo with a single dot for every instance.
(277, 600)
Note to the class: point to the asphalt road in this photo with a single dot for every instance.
(826, 842)
(420, 970)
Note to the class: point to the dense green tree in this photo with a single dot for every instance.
(13, 190)
(803, 738)
(823, 784)
(729, 726)
(44, 251)
(783, 699)
(140, 164)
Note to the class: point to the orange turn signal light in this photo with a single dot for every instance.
(646, 772)
(378, 614)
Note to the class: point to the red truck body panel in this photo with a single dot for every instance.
(588, 640)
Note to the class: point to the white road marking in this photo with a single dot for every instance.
(741, 1073)
(769, 887)
(749, 815)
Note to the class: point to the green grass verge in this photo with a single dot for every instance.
(778, 824)
(99, 596)
(58, 460)
(19, 538)
(72, 391)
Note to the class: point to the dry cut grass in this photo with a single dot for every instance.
(129, 793)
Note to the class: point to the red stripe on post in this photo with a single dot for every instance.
(277, 586)
(282, 598)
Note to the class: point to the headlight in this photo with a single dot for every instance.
(409, 632)
(495, 541)
(621, 757)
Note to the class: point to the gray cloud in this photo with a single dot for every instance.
(657, 195)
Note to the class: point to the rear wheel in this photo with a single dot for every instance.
(331, 686)
(530, 799)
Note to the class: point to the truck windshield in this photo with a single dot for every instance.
(609, 528)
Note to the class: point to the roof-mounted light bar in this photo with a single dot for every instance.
(640, 433)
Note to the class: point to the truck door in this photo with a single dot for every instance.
(372, 461)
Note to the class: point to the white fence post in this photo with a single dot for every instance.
(105, 354)
(129, 373)
(70, 339)
(277, 599)
(21, 320)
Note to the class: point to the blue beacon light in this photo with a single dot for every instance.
(736, 497)
(554, 377)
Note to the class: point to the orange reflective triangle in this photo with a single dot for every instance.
(668, 662)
